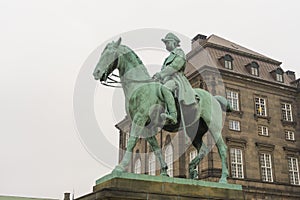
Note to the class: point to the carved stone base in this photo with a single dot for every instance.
(136, 186)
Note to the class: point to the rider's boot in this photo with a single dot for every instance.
(171, 117)
(171, 114)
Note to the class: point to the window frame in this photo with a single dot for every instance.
(233, 125)
(260, 130)
(228, 62)
(169, 158)
(192, 155)
(285, 116)
(233, 97)
(264, 108)
(264, 167)
(238, 166)
(288, 134)
(294, 180)
(254, 69)
(279, 77)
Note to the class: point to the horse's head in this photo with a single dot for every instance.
(108, 61)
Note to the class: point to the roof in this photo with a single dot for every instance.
(22, 198)
(217, 47)
(214, 39)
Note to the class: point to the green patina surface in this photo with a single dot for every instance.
(164, 179)
(150, 104)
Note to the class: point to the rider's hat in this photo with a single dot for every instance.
(171, 36)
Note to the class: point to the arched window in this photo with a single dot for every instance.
(253, 68)
(138, 166)
(169, 159)
(193, 155)
(228, 61)
(152, 164)
(278, 74)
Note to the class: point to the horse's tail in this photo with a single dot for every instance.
(224, 103)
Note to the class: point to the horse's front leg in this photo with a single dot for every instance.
(128, 154)
(136, 130)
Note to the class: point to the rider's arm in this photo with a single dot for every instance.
(175, 66)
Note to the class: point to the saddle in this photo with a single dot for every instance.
(188, 112)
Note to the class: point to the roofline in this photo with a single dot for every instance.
(119, 125)
(193, 52)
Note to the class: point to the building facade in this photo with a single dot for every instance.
(262, 133)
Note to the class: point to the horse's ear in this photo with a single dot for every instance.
(118, 42)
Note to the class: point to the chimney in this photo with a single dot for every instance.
(66, 196)
(291, 74)
(197, 40)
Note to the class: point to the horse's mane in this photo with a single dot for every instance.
(132, 57)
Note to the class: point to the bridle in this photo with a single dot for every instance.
(110, 82)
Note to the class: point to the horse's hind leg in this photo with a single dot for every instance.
(157, 151)
(222, 149)
(202, 150)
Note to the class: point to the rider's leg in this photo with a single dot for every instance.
(167, 90)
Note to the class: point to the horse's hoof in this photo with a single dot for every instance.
(224, 181)
(118, 169)
(164, 174)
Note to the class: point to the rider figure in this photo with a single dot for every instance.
(173, 78)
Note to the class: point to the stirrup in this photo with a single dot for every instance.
(171, 119)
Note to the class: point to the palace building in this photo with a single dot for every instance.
(262, 133)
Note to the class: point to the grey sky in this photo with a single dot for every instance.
(43, 45)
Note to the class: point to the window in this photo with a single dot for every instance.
(228, 61)
(293, 170)
(234, 125)
(289, 135)
(233, 98)
(169, 159)
(266, 167)
(263, 130)
(278, 74)
(236, 158)
(126, 139)
(228, 64)
(279, 77)
(253, 68)
(254, 71)
(152, 164)
(260, 106)
(138, 166)
(193, 155)
(286, 112)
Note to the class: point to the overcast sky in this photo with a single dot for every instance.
(43, 46)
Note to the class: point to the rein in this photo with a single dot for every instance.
(113, 81)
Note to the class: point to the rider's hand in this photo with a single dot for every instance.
(157, 77)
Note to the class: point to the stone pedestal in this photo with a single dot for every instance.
(119, 186)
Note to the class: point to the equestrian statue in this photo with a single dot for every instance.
(165, 101)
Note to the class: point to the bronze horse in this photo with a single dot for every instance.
(144, 103)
